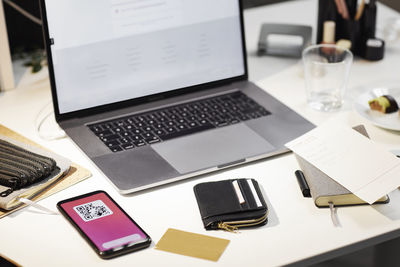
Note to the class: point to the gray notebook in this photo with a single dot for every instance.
(324, 189)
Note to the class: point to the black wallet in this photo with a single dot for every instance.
(231, 204)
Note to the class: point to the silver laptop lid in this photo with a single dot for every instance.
(110, 51)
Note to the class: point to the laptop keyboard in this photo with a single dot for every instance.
(174, 121)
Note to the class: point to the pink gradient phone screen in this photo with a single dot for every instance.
(103, 222)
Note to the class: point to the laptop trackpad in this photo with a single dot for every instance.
(212, 148)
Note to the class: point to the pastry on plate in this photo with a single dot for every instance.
(384, 104)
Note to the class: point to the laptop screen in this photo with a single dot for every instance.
(107, 51)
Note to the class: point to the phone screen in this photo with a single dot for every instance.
(103, 222)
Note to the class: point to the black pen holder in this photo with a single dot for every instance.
(358, 31)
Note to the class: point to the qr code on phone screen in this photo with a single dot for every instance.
(93, 210)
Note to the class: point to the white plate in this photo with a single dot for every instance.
(388, 121)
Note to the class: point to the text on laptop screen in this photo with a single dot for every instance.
(106, 51)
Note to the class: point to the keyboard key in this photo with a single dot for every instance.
(137, 131)
(124, 140)
(136, 137)
(152, 140)
(116, 148)
(104, 133)
(109, 137)
(148, 128)
(96, 128)
(171, 129)
(140, 124)
(159, 132)
(147, 135)
(121, 123)
(127, 146)
(112, 143)
(107, 126)
(182, 127)
(139, 143)
(124, 133)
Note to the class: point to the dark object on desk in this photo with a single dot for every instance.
(5, 262)
(74, 174)
(27, 171)
(231, 204)
(325, 190)
(375, 49)
(20, 167)
(288, 45)
(357, 23)
(305, 190)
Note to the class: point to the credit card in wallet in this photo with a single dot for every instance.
(254, 192)
(239, 192)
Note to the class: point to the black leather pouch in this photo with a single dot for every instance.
(231, 204)
(20, 168)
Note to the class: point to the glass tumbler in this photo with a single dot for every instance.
(326, 72)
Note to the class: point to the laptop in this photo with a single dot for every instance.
(157, 91)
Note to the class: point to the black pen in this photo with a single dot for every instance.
(305, 190)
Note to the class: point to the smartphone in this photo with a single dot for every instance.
(108, 229)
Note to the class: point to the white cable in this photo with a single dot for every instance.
(23, 12)
(29, 202)
(38, 125)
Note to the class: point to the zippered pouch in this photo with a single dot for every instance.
(20, 167)
(26, 171)
(231, 204)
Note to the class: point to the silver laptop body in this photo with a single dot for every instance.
(122, 58)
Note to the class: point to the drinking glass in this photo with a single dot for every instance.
(326, 72)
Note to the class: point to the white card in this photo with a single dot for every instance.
(238, 192)
(254, 192)
(351, 159)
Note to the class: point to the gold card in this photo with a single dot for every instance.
(191, 244)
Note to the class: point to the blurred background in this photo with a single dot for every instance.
(26, 35)
(26, 40)
(252, 3)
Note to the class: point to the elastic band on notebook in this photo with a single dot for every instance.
(334, 217)
(39, 207)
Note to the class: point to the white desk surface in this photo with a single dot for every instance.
(297, 231)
